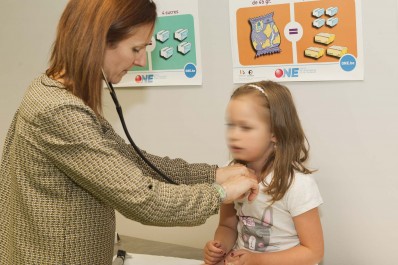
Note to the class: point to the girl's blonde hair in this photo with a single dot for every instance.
(292, 147)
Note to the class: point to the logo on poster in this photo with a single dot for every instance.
(287, 72)
(144, 78)
(190, 70)
(248, 73)
(348, 62)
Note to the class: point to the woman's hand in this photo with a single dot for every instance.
(214, 252)
(238, 181)
(224, 173)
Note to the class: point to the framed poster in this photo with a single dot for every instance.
(173, 58)
(306, 40)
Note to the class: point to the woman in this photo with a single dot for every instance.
(64, 170)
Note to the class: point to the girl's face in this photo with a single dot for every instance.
(128, 53)
(249, 134)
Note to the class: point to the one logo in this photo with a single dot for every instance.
(287, 72)
(138, 79)
(144, 78)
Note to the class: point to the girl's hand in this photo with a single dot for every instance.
(213, 252)
(240, 257)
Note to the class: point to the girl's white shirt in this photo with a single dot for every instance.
(266, 227)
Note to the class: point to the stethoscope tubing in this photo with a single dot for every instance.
(126, 131)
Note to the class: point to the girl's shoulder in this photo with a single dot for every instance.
(303, 181)
(303, 194)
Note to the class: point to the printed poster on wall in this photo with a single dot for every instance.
(306, 40)
(173, 58)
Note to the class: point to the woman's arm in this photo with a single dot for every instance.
(80, 148)
(308, 252)
(178, 169)
(93, 158)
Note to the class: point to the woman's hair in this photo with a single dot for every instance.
(291, 149)
(85, 30)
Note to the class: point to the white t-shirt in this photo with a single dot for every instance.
(263, 227)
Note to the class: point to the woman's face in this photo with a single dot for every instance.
(130, 52)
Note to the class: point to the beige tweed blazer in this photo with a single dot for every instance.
(63, 173)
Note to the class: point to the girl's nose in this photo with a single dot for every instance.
(232, 133)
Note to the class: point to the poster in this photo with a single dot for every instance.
(173, 58)
(306, 40)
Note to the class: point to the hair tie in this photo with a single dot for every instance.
(258, 88)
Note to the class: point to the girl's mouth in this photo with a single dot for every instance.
(235, 149)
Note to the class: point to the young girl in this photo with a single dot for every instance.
(282, 225)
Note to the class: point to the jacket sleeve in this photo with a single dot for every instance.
(73, 138)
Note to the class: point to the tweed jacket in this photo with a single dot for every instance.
(64, 171)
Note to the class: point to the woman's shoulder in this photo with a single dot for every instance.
(51, 92)
(45, 95)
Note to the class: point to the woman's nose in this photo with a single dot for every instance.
(140, 60)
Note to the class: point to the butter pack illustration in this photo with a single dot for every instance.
(166, 52)
(163, 35)
(324, 38)
(318, 23)
(331, 22)
(318, 12)
(184, 47)
(331, 11)
(181, 34)
(325, 17)
(337, 51)
(314, 52)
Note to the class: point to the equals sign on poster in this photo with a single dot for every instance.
(293, 31)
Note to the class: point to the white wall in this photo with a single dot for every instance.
(352, 126)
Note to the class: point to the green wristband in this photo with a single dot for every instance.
(221, 191)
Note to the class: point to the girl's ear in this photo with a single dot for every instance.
(273, 139)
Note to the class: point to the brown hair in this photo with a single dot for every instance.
(292, 146)
(85, 30)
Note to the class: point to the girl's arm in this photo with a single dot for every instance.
(226, 231)
(224, 237)
(309, 252)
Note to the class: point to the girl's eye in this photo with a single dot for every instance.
(246, 128)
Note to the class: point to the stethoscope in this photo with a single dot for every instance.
(120, 113)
